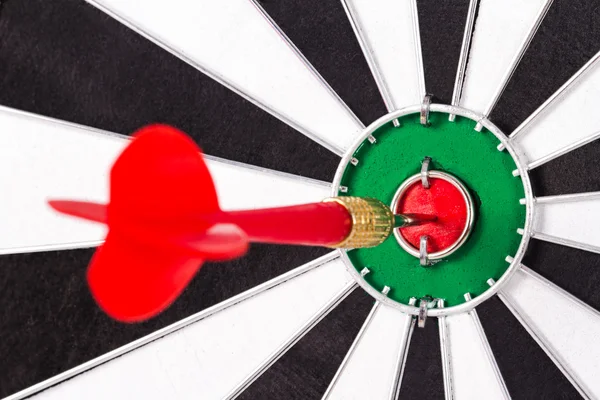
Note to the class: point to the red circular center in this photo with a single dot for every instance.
(442, 199)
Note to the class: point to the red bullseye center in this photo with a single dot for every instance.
(442, 199)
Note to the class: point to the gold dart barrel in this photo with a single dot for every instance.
(372, 221)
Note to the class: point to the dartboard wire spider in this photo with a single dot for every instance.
(316, 111)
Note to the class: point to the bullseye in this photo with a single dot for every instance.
(446, 198)
(444, 201)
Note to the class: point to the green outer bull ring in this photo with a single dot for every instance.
(515, 260)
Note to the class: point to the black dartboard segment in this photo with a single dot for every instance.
(79, 65)
(50, 322)
(308, 368)
(67, 60)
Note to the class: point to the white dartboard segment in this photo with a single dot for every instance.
(369, 369)
(567, 120)
(54, 159)
(571, 220)
(209, 353)
(238, 45)
(566, 328)
(243, 187)
(388, 33)
(470, 369)
(503, 31)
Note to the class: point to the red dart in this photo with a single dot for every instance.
(164, 221)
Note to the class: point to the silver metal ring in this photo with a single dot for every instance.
(464, 234)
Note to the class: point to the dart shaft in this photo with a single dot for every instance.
(318, 224)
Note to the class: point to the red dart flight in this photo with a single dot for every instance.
(164, 221)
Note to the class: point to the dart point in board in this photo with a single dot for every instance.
(164, 221)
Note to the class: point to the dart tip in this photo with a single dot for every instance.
(402, 220)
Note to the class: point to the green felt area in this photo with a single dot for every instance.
(471, 156)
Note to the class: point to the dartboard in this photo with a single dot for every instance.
(293, 102)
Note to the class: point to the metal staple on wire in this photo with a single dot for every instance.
(425, 172)
(425, 108)
(423, 255)
(425, 304)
